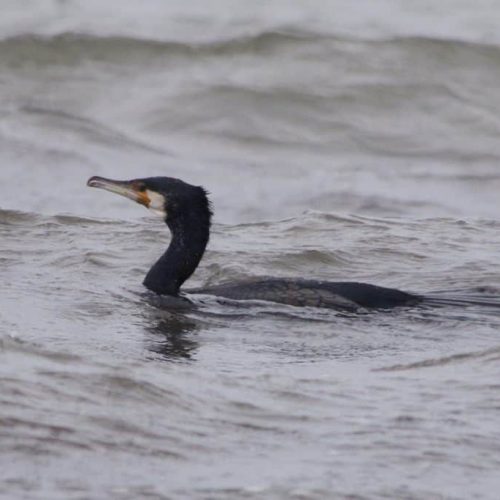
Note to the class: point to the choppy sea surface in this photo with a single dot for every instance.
(338, 141)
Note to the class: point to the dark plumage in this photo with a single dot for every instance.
(187, 213)
(313, 293)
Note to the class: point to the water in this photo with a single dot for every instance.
(338, 143)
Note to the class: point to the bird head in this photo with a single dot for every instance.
(165, 196)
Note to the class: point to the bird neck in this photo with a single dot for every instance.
(190, 235)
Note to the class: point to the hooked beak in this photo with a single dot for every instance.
(129, 189)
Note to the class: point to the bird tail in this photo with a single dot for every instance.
(483, 296)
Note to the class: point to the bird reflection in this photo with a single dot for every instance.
(172, 336)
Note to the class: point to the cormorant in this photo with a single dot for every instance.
(187, 212)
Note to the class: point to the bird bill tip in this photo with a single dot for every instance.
(95, 181)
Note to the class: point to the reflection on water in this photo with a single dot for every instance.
(172, 335)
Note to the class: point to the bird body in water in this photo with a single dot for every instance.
(187, 212)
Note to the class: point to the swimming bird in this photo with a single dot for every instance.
(187, 211)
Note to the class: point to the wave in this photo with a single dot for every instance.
(70, 48)
(491, 354)
(17, 217)
(9, 343)
(75, 44)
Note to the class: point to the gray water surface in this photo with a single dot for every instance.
(337, 143)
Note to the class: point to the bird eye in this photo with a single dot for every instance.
(142, 188)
